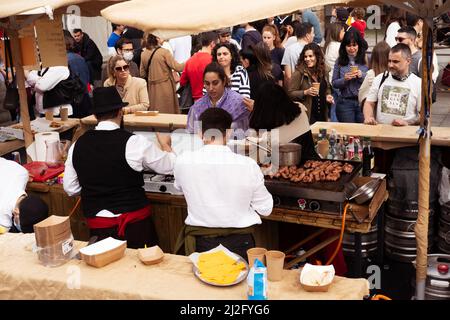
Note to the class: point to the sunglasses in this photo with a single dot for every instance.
(123, 68)
(400, 39)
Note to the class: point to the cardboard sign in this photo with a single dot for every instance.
(50, 38)
(28, 48)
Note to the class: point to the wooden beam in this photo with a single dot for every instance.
(20, 79)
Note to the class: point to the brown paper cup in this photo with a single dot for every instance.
(256, 253)
(275, 263)
(64, 114)
(316, 85)
(49, 115)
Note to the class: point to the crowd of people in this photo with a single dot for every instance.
(270, 74)
(329, 71)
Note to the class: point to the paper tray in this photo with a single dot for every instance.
(103, 252)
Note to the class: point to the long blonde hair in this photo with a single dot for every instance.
(111, 65)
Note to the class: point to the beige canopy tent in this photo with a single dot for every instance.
(33, 9)
(168, 19)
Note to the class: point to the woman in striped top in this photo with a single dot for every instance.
(227, 56)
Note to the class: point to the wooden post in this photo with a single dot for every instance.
(13, 33)
(421, 229)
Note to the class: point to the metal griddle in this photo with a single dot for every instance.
(335, 191)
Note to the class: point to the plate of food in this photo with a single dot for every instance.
(219, 267)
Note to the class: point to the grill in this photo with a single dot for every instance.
(324, 196)
(160, 183)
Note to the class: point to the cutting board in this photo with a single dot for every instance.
(42, 172)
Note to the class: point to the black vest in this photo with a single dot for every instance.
(106, 179)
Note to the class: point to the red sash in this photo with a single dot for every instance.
(121, 221)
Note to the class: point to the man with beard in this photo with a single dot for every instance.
(396, 94)
(105, 167)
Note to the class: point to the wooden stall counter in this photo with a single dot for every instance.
(160, 121)
(385, 136)
(128, 278)
(13, 145)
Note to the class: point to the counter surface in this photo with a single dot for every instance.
(385, 136)
(23, 277)
(162, 120)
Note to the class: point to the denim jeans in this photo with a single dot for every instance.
(349, 110)
(333, 117)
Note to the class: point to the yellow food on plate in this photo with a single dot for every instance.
(219, 268)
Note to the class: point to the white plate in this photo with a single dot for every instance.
(242, 276)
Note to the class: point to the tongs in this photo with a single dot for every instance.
(258, 145)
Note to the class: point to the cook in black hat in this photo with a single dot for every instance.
(105, 168)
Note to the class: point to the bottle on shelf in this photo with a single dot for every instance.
(355, 152)
(368, 157)
(350, 149)
(323, 145)
(332, 141)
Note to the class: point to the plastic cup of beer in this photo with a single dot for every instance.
(256, 253)
(354, 69)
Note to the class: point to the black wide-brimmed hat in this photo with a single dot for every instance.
(107, 99)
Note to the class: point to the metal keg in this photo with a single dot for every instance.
(400, 239)
(444, 236)
(445, 211)
(369, 243)
(406, 209)
(437, 285)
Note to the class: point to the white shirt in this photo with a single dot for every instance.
(47, 82)
(290, 41)
(391, 33)
(140, 154)
(396, 99)
(331, 56)
(13, 181)
(238, 46)
(181, 47)
(222, 189)
(291, 55)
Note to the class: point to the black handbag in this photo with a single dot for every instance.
(186, 99)
(12, 100)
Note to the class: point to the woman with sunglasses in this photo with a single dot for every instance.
(131, 89)
(348, 75)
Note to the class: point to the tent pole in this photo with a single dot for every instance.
(421, 229)
(20, 78)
